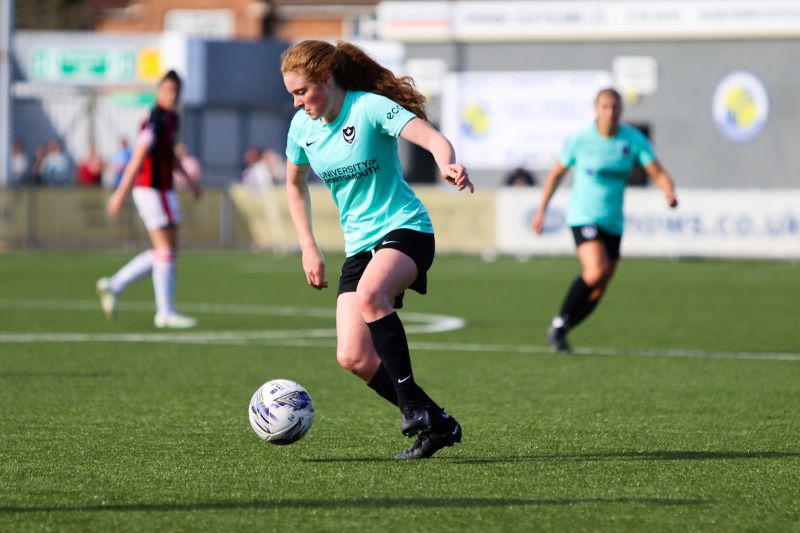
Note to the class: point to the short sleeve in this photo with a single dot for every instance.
(294, 151)
(150, 129)
(567, 155)
(644, 150)
(146, 137)
(387, 116)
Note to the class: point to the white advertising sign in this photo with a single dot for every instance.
(428, 74)
(211, 23)
(558, 20)
(707, 223)
(501, 120)
(636, 74)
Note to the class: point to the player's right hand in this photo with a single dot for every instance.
(115, 204)
(314, 267)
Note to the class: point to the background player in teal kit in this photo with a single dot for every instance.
(350, 113)
(603, 156)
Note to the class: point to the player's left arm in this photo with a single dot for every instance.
(425, 136)
(664, 181)
(193, 184)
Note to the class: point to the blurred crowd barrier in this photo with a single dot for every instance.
(707, 223)
(67, 217)
(238, 217)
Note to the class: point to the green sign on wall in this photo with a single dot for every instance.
(83, 65)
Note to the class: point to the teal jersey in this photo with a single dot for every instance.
(356, 156)
(602, 168)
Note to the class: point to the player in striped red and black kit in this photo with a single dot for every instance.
(149, 175)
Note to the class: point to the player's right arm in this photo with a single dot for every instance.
(551, 183)
(299, 201)
(117, 200)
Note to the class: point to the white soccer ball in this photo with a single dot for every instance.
(281, 411)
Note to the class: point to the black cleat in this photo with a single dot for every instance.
(428, 443)
(414, 421)
(557, 339)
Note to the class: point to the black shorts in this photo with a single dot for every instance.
(419, 246)
(592, 232)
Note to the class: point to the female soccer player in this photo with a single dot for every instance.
(149, 174)
(350, 113)
(603, 156)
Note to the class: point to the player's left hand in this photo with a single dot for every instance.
(458, 176)
(197, 191)
(672, 201)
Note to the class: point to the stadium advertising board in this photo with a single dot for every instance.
(707, 223)
(493, 124)
(582, 20)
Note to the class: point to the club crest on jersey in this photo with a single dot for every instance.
(626, 150)
(349, 134)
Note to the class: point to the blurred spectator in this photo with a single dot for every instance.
(55, 166)
(90, 170)
(519, 177)
(190, 165)
(19, 164)
(277, 164)
(251, 157)
(120, 160)
(265, 173)
(38, 164)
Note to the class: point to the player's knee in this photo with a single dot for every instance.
(597, 275)
(370, 299)
(351, 359)
(592, 276)
(164, 255)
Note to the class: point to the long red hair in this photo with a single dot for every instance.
(352, 69)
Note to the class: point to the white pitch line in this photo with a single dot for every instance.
(420, 323)
(443, 322)
(417, 323)
(529, 349)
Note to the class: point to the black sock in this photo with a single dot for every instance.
(583, 311)
(577, 297)
(382, 384)
(389, 339)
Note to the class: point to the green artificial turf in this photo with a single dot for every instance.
(679, 411)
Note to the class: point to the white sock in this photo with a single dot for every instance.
(164, 281)
(139, 266)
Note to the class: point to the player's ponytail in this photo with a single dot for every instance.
(353, 70)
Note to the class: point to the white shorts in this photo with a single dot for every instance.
(157, 209)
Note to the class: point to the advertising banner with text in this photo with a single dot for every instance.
(707, 223)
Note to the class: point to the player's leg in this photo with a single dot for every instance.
(165, 242)
(355, 351)
(162, 219)
(387, 275)
(602, 275)
(585, 291)
(598, 269)
(109, 289)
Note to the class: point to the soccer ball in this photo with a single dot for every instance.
(281, 411)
